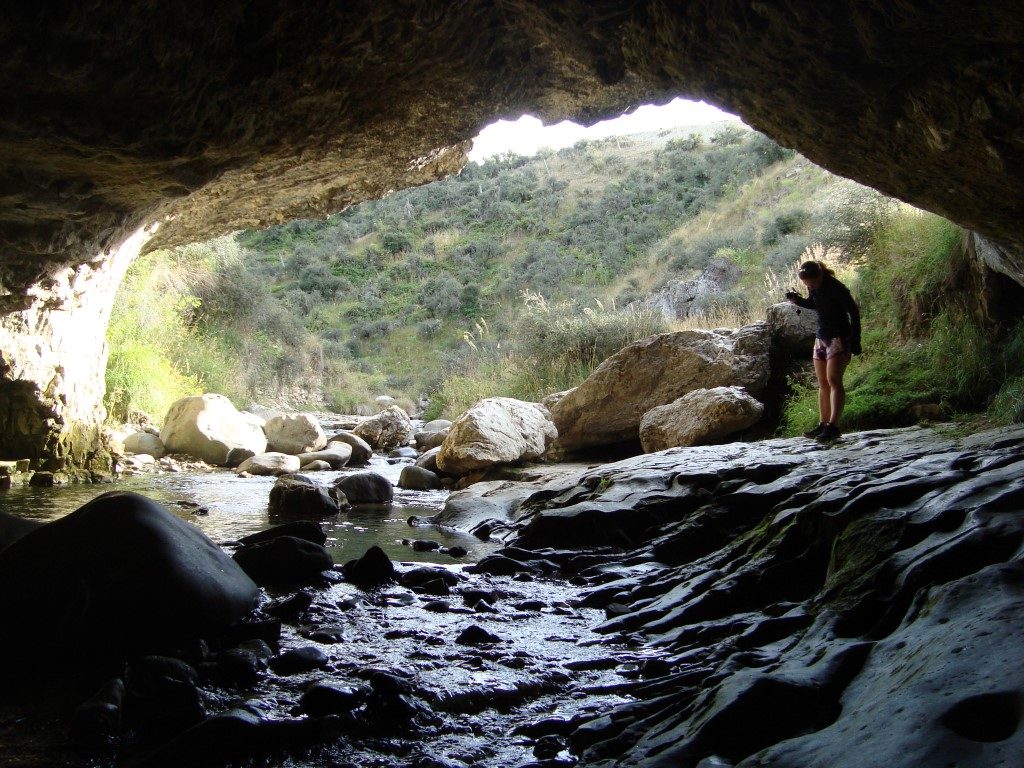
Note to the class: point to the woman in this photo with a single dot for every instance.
(837, 339)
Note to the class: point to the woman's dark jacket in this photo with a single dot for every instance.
(837, 311)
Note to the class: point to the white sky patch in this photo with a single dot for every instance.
(527, 135)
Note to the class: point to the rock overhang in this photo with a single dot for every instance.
(253, 114)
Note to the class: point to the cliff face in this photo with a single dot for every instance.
(244, 115)
(53, 354)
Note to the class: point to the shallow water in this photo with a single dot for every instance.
(238, 506)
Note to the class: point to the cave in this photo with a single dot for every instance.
(133, 126)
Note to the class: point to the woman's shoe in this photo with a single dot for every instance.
(816, 431)
(829, 434)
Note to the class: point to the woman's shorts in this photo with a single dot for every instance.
(826, 349)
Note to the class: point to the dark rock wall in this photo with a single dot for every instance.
(247, 114)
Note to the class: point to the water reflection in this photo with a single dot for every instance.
(238, 506)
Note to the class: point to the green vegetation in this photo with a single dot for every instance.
(923, 344)
(519, 275)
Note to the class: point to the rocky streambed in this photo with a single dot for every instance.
(766, 604)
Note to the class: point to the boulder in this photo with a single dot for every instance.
(427, 440)
(554, 398)
(315, 466)
(284, 561)
(608, 406)
(208, 427)
(336, 456)
(436, 425)
(144, 442)
(418, 479)
(301, 529)
(361, 450)
(270, 464)
(365, 488)
(298, 496)
(237, 455)
(498, 430)
(372, 569)
(428, 460)
(60, 589)
(388, 429)
(698, 418)
(792, 328)
(295, 433)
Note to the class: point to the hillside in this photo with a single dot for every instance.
(515, 277)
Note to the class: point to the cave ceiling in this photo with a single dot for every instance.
(215, 116)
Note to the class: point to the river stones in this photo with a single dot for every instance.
(302, 529)
(361, 450)
(336, 456)
(284, 561)
(298, 496)
(608, 406)
(699, 417)
(372, 569)
(208, 427)
(144, 442)
(119, 574)
(389, 429)
(294, 433)
(365, 488)
(497, 430)
(418, 479)
(271, 463)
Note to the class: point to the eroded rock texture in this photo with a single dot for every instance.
(248, 115)
(801, 607)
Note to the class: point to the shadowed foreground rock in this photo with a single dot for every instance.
(116, 575)
(802, 607)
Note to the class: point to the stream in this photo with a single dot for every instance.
(465, 702)
(236, 506)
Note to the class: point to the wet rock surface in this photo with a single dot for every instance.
(767, 604)
(805, 606)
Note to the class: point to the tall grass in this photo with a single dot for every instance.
(146, 331)
(922, 344)
(551, 347)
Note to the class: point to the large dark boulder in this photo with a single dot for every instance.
(119, 574)
(284, 561)
(13, 528)
(298, 496)
(365, 488)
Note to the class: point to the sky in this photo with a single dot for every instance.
(527, 135)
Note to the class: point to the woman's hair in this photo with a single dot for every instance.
(814, 269)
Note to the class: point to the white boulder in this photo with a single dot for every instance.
(389, 429)
(294, 433)
(208, 427)
(699, 417)
(271, 463)
(144, 442)
(608, 406)
(792, 328)
(497, 430)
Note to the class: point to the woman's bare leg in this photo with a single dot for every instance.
(824, 391)
(834, 370)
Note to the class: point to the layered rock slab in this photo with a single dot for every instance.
(800, 605)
